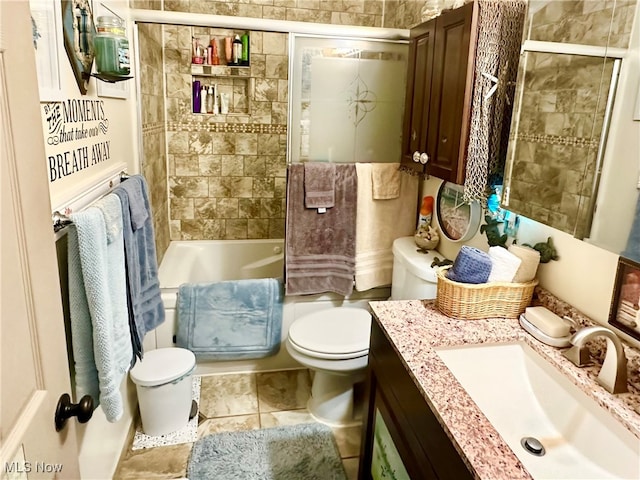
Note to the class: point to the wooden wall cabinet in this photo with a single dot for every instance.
(439, 89)
(425, 449)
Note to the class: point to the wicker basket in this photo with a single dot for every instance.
(485, 300)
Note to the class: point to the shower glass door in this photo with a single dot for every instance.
(347, 98)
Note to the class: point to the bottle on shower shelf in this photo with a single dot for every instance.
(237, 50)
(210, 95)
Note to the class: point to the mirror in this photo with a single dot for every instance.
(556, 171)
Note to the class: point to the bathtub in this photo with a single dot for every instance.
(195, 261)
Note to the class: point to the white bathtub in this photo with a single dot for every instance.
(216, 260)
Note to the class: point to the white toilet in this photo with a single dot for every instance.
(334, 343)
(413, 276)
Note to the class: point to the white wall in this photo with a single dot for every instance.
(100, 442)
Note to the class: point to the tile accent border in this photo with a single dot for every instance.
(557, 140)
(227, 127)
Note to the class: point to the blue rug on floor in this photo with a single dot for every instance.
(295, 452)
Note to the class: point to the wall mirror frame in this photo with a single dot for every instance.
(557, 170)
(624, 313)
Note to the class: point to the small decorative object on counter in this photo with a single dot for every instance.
(492, 231)
(547, 250)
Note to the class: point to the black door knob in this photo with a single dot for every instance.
(65, 410)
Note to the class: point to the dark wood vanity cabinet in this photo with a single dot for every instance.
(424, 449)
(438, 97)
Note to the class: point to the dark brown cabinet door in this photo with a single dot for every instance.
(450, 98)
(438, 95)
(416, 116)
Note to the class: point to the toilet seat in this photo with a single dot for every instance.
(340, 333)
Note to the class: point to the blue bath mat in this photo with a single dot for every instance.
(231, 320)
(294, 452)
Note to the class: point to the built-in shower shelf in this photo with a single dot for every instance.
(220, 71)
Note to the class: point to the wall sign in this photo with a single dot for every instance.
(84, 125)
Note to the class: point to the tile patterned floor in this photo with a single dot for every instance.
(235, 402)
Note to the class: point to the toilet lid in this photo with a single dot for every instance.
(161, 366)
(334, 332)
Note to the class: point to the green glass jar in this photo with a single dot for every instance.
(111, 47)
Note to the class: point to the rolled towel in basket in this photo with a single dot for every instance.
(529, 265)
(504, 265)
(470, 266)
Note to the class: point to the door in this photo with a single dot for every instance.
(417, 100)
(33, 356)
(449, 112)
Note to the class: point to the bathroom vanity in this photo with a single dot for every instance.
(420, 418)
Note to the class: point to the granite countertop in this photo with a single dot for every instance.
(416, 328)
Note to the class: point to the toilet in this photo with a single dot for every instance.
(413, 276)
(163, 383)
(334, 344)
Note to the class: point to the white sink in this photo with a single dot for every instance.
(523, 395)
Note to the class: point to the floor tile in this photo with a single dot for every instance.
(154, 463)
(351, 467)
(348, 440)
(285, 390)
(228, 424)
(228, 395)
(289, 417)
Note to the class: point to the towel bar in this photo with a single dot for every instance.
(61, 220)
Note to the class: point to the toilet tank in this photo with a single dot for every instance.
(413, 276)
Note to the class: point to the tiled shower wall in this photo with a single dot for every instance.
(154, 165)
(227, 174)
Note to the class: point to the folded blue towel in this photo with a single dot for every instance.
(231, 320)
(146, 310)
(470, 266)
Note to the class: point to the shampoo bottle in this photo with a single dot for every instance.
(210, 100)
(237, 50)
(196, 97)
(244, 59)
(203, 99)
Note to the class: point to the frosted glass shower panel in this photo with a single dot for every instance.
(330, 135)
(347, 100)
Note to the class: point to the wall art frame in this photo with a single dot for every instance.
(78, 31)
(46, 28)
(624, 313)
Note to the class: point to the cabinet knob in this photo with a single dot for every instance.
(413, 136)
(444, 139)
(416, 156)
(424, 158)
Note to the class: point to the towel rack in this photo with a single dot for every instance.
(61, 219)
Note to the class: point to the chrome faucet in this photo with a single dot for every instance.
(613, 373)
